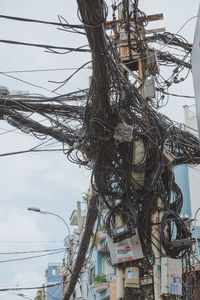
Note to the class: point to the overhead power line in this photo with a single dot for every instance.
(29, 288)
(175, 95)
(30, 257)
(33, 251)
(41, 22)
(29, 83)
(48, 47)
(28, 151)
(44, 70)
(19, 242)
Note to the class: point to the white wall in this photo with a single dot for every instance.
(194, 172)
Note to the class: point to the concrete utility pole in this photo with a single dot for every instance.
(157, 248)
(146, 68)
(80, 258)
(83, 274)
(120, 271)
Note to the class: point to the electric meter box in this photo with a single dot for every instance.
(126, 250)
(171, 276)
(132, 277)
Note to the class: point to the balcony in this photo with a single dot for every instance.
(74, 217)
(101, 287)
(102, 242)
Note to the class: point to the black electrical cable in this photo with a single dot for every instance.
(32, 251)
(175, 235)
(44, 70)
(31, 257)
(29, 288)
(41, 21)
(28, 82)
(48, 47)
(128, 214)
(29, 242)
(30, 151)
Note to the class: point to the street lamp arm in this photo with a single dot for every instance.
(36, 209)
(53, 214)
(196, 213)
(196, 238)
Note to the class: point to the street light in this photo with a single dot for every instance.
(36, 209)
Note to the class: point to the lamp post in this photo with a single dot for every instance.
(195, 230)
(36, 209)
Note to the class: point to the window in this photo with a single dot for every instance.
(107, 268)
(54, 271)
(92, 273)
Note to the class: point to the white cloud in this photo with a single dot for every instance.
(28, 278)
(20, 227)
(20, 230)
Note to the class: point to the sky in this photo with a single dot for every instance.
(48, 180)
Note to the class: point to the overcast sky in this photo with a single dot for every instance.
(49, 181)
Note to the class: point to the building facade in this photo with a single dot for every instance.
(193, 172)
(54, 275)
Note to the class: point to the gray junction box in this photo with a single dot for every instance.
(171, 276)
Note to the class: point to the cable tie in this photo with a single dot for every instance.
(157, 223)
(25, 129)
(93, 26)
(75, 145)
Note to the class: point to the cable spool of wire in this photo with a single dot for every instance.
(175, 236)
(127, 212)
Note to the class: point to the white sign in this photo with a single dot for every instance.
(124, 251)
(133, 274)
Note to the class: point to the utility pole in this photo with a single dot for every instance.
(157, 248)
(146, 67)
(43, 292)
(83, 274)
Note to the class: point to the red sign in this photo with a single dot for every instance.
(127, 248)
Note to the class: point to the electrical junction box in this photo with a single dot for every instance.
(125, 250)
(149, 87)
(123, 132)
(122, 232)
(132, 278)
(139, 158)
(171, 276)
